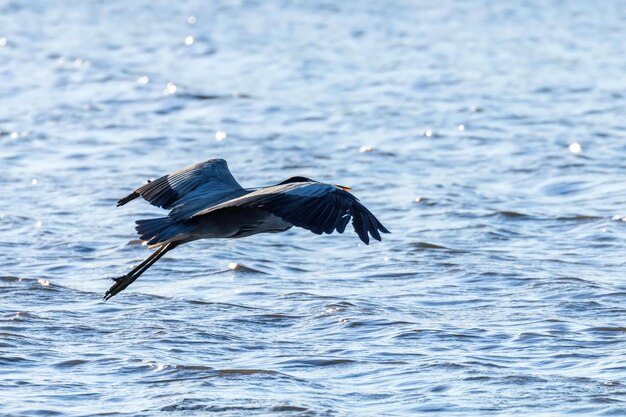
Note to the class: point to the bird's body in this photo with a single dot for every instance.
(205, 201)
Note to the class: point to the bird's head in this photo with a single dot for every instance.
(296, 179)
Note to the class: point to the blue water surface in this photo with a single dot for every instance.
(488, 136)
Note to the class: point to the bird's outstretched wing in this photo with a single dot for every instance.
(211, 176)
(320, 208)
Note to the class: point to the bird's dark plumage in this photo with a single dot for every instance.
(295, 179)
(320, 208)
(205, 201)
(207, 178)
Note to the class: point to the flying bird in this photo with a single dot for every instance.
(205, 201)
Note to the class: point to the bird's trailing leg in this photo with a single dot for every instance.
(124, 281)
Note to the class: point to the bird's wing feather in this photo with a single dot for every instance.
(200, 199)
(212, 176)
(320, 208)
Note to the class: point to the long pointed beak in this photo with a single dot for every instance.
(343, 187)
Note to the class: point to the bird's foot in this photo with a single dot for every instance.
(120, 283)
(118, 279)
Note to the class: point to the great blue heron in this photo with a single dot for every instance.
(205, 201)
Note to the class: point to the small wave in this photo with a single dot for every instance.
(208, 97)
(428, 246)
(307, 295)
(617, 329)
(424, 201)
(521, 379)
(191, 404)
(11, 278)
(425, 246)
(8, 335)
(375, 322)
(241, 408)
(288, 409)
(37, 282)
(275, 317)
(233, 266)
(12, 360)
(579, 218)
(340, 305)
(70, 363)
(248, 372)
(527, 337)
(511, 214)
(165, 374)
(227, 306)
(315, 363)
(436, 334)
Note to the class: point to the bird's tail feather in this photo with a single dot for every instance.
(162, 229)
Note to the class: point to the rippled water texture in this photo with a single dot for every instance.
(488, 136)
